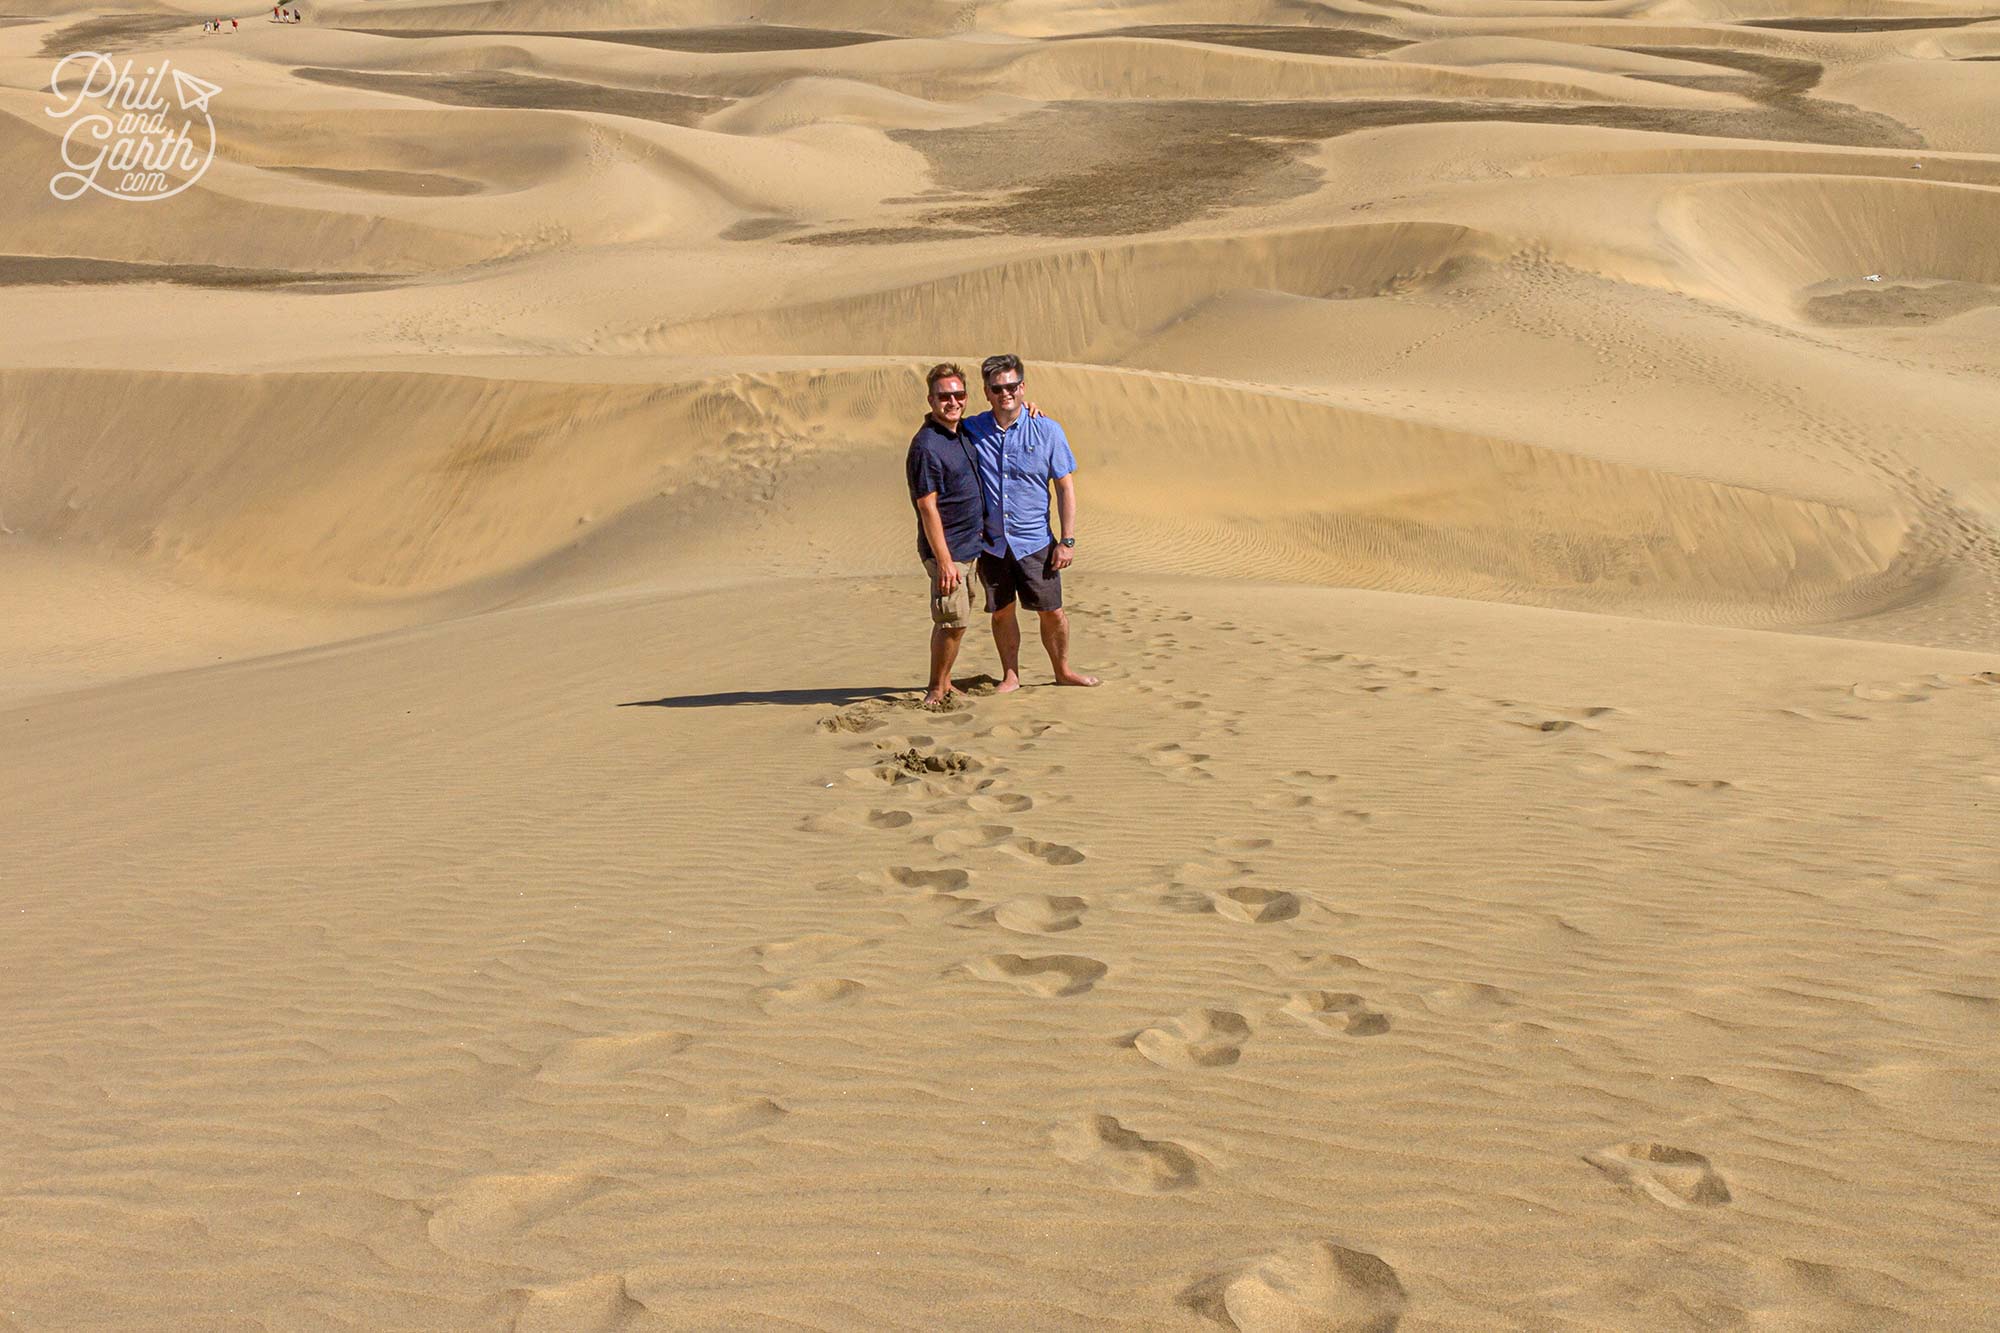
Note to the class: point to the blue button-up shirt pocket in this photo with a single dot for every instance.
(1028, 464)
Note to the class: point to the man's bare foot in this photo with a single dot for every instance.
(1008, 684)
(1074, 678)
(948, 699)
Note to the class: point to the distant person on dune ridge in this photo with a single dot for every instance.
(944, 486)
(1021, 560)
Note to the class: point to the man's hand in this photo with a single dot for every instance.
(948, 578)
(1031, 409)
(1060, 557)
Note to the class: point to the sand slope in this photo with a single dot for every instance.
(473, 857)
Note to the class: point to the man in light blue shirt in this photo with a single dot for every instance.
(1021, 559)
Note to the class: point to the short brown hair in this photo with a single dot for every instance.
(943, 370)
(995, 364)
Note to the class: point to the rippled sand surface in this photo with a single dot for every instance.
(472, 858)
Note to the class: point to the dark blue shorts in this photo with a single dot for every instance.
(1032, 580)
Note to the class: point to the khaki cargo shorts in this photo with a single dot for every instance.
(954, 610)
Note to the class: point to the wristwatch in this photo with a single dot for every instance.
(1069, 541)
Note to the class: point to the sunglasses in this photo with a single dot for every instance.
(947, 393)
(1015, 387)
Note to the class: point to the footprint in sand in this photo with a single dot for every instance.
(1467, 999)
(1021, 731)
(1176, 760)
(808, 993)
(1309, 780)
(1890, 693)
(1336, 1011)
(490, 1213)
(604, 1059)
(1187, 883)
(1186, 900)
(1287, 800)
(1530, 718)
(875, 883)
(1258, 907)
(1644, 765)
(1917, 691)
(944, 879)
(1199, 1038)
(955, 840)
(597, 1304)
(844, 824)
(938, 891)
(1011, 803)
(1037, 914)
(1049, 975)
(1048, 853)
(1673, 1176)
(726, 1120)
(875, 778)
(862, 717)
(1820, 715)
(1124, 1158)
(807, 950)
(1320, 1286)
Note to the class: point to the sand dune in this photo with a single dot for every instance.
(475, 857)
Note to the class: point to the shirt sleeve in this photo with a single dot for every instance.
(1061, 461)
(925, 472)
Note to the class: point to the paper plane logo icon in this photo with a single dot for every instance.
(193, 92)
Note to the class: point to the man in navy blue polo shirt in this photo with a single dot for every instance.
(944, 487)
(1021, 559)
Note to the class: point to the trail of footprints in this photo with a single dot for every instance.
(953, 802)
(959, 801)
(1566, 727)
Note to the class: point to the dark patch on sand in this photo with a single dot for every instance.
(884, 236)
(1892, 304)
(1292, 41)
(385, 182)
(759, 229)
(1782, 83)
(498, 89)
(68, 271)
(1776, 77)
(1868, 24)
(1120, 168)
(717, 41)
(116, 32)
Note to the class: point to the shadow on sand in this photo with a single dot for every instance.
(849, 694)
